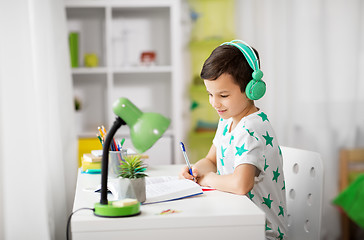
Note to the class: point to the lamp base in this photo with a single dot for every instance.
(109, 210)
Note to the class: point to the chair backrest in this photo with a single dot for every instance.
(303, 172)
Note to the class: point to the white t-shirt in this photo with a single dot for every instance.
(253, 141)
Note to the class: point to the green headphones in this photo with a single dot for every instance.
(256, 87)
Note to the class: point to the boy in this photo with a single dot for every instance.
(245, 157)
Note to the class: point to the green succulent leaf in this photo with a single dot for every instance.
(132, 167)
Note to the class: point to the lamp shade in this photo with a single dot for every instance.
(145, 128)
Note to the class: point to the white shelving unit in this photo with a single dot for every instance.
(118, 31)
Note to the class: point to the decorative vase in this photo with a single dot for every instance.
(73, 45)
(132, 188)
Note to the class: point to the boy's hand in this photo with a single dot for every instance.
(184, 173)
(205, 179)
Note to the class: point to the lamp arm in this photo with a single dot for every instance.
(105, 158)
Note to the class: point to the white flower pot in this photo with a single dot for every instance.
(132, 188)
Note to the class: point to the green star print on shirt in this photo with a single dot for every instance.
(231, 139)
(267, 201)
(265, 164)
(250, 194)
(266, 227)
(275, 175)
(263, 116)
(225, 130)
(281, 212)
(280, 234)
(223, 151)
(268, 139)
(251, 134)
(240, 150)
(222, 161)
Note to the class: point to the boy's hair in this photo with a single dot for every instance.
(228, 59)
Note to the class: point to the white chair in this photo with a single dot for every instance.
(303, 171)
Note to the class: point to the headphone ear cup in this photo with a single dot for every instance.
(255, 89)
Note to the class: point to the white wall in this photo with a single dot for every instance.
(1, 166)
(38, 143)
(312, 56)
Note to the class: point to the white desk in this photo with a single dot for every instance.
(212, 215)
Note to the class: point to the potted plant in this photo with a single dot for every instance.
(132, 177)
(78, 114)
(78, 104)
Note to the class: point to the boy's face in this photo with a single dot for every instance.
(225, 96)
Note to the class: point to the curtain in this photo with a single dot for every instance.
(38, 158)
(312, 56)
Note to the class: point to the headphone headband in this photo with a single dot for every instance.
(247, 51)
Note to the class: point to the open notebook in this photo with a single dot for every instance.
(168, 188)
(161, 189)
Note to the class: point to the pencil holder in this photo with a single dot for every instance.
(115, 158)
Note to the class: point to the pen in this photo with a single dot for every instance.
(187, 161)
(114, 145)
(122, 143)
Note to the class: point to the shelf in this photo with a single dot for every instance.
(88, 23)
(123, 132)
(83, 70)
(121, 70)
(143, 69)
(137, 30)
(118, 3)
(91, 91)
(150, 92)
(120, 32)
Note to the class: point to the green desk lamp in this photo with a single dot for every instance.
(145, 130)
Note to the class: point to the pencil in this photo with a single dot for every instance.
(101, 141)
(101, 133)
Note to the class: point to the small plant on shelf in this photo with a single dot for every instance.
(132, 167)
(78, 104)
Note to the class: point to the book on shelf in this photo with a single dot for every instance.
(97, 153)
(89, 157)
(86, 165)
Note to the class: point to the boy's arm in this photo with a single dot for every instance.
(207, 164)
(241, 181)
